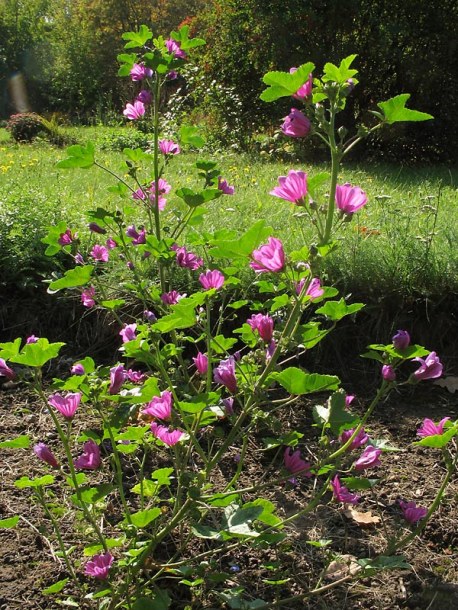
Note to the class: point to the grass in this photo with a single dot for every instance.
(402, 244)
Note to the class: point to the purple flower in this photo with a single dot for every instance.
(263, 324)
(87, 297)
(348, 400)
(412, 512)
(66, 405)
(95, 228)
(118, 376)
(341, 493)
(224, 187)
(360, 439)
(187, 260)
(5, 370)
(296, 124)
(228, 404)
(99, 566)
(79, 260)
(174, 49)
(388, 373)
(429, 428)
(430, 368)
(160, 406)
(211, 279)
(31, 339)
(349, 199)
(110, 243)
(172, 75)
(90, 458)
(168, 147)
(46, 455)
(269, 257)
(66, 239)
(77, 369)
(140, 72)
(134, 111)
(163, 188)
(168, 437)
(136, 376)
(294, 463)
(306, 89)
(137, 238)
(224, 374)
(401, 340)
(144, 96)
(100, 253)
(149, 315)
(314, 290)
(368, 459)
(128, 333)
(172, 297)
(292, 187)
(201, 363)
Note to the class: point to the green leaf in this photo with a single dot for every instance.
(145, 517)
(9, 523)
(222, 500)
(137, 39)
(37, 354)
(316, 182)
(237, 520)
(244, 246)
(438, 440)
(311, 334)
(339, 418)
(25, 482)
(186, 43)
(267, 515)
(189, 134)
(78, 276)
(284, 84)
(20, 442)
(297, 381)
(204, 531)
(358, 484)
(336, 310)
(133, 433)
(290, 439)
(57, 587)
(162, 476)
(194, 199)
(279, 301)
(221, 344)
(96, 548)
(91, 495)
(113, 304)
(161, 601)
(78, 156)
(371, 566)
(394, 110)
(342, 73)
(10, 349)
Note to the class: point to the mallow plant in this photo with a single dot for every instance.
(152, 451)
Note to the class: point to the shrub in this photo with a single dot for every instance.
(26, 126)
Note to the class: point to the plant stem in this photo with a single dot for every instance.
(336, 157)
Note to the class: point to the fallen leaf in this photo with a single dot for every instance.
(345, 565)
(450, 383)
(361, 518)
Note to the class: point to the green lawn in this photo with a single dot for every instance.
(403, 242)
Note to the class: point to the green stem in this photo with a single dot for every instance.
(336, 156)
(209, 345)
(157, 219)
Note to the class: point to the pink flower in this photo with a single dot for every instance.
(201, 363)
(401, 340)
(137, 238)
(172, 297)
(144, 96)
(66, 239)
(269, 257)
(348, 400)
(341, 493)
(211, 279)
(292, 187)
(118, 376)
(95, 228)
(314, 290)
(429, 428)
(168, 147)
(168, 437)
(31, 339)
(150, 316)
(100, 253)
(66, 405)
(224, 374)
(226, 188)
(430, 368)
(296, 124)
(187, 260)
(87, 297)
(128, 333)
(174, 49)
(140, 72)
(136, 376)
(368, 459)
(160, 406)
(294, 463)
(163, 188)
(110, 243)
(46, 455)
(228, 404)
(349, 199)
(306, 89)
(360, 439)
(79, 260)
(99, 566)
(388, 373)
(412, 512)
(77, 369)
(5, 370)
(134, 111)
(263, 324)
(90, 458)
